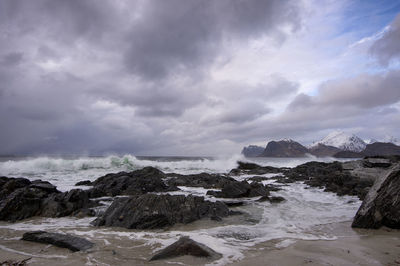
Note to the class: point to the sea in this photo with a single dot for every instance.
(300, 217)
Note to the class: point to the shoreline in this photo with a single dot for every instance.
(351, 247)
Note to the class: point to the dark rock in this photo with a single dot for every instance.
(44, 185)
(330, 176)
(254, 169)
(66, 203)
(247, 166)
(381, 206)
(276, 199)
(60, 240)
(234, 203)
(272, 199)
(284, 148)
(204, 180)
(84, 183)
(9, 185)
(240, 189)
(376, 162)
(150, 211)
(21, 199)
(186, 246)
(148, 179)
(22, 203)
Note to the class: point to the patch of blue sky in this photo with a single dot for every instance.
(366, 17)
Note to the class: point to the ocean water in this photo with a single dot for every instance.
(299, 217)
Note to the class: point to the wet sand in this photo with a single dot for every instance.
(352, 247)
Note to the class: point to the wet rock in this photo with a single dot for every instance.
(60, 240)
(254, 169)
(21, 199)
(148, 179)
(204, 180)
(84, 183)
(381, 207)
(44, 185)
(67, 203)
(186, 246)
(272, 199)
(330, 176)
(150, 211)
(9, 185)
(247, 166)
(240, 189)
(22, 203)
(276, 199)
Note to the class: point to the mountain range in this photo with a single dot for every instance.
(336, 144)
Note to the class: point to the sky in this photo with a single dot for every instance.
(189, 77)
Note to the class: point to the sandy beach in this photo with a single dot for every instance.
(352, 247)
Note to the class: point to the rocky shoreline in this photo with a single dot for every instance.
(140, 200)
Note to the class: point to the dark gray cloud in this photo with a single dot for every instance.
(177, 36)
(387, 48)
(11, 59)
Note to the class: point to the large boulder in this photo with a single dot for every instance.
(150, 211)
(22, 203)
(186, 246)
(60, 240)
(21, 199)
(148, 179)
(381, 206)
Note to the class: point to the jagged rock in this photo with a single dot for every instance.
(150, 211)
(240, 189)
(71, 242)
(22, 203)
(9, 185)
(247, 166)
(21, 199)
(330, 176)
(44, 185)
(67, 203)
(84, 183)
(381, 206)
(254, 169)
(198, 180)
(186, 246)
(148, 179)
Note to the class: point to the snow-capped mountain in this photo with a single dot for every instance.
(343, 141)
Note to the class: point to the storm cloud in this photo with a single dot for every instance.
(185, 77)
